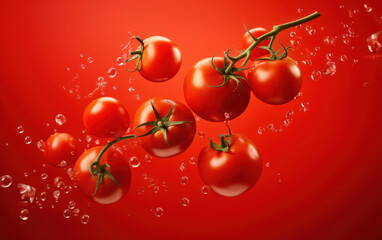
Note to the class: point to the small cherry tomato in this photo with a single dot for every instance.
(106, 117)
(171, 129)
(275, 82)
(233, 171)
(247, 40)
(213, 103)
(161, 59)
(108, 191)
(60, 150)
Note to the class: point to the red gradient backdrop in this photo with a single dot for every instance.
(323, 179)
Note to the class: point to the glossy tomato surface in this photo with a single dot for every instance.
(60, 150)
(108, 192)
(106, 117)
(215, 104)
(179, 137)
(275, 82)
(234, 172)
(247, 40)
(161, 59)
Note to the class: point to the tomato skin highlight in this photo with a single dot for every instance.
(234, 172)
(247, 40)
(60, 147)
(179, 137)
(161, 59)
(108, 192)
(106, 117)
(213, 103)
(275, 82)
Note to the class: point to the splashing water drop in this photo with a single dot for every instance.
(329, 69)
(374, 42)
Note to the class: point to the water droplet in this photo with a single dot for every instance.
(271, 127)
(260, 130)
(329, 69)
(184, 180)
(155, 189)
(158, 212)
(205, 189)
(131, 89)
(24, 214)
(60, 119)
(112, 72)
(27, 192)
(227, 115)
(343, 58)
(81, 55)
(303, 109)
(182, 167)
(56, 194)
(201, 134)
(72, 204)
(120, 61)
(137, 97)
(365, 84)
(329, 56)
(43, 196)
(20, 129)
(85, 219)
(292, 34)
(114, 88)
(90, 60)
(68, 68)
(289, 114)
(144, 176)
(316, 75)
(41, 145)
(268, 164)
(198, 119)
(287, 122)
(367, 8)
(6, 181)
(304, 104)
(294, 42)
(192, 160)
(76, 212)
(67, 213)
(312, 32)
(300, 10)
(27, 140)
(44, 176)
(63, 163)
(134, 162)
(374, 42)
(185, 201)
(148, 158)
(82, 66)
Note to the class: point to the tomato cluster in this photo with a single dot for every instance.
(214, 88)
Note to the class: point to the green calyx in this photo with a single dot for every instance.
(225, 145)
(161, 123)
(95, 168)
(136, 55)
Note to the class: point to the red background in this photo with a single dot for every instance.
(323, 181)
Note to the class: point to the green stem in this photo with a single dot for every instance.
(276, 29)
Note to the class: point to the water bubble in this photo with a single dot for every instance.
(63, 163)
(76, 212)
(300, 10)
(131, 89)
(25, 174)
(43, 196)
(144, 176)
(44, 176)
(184, 180)
(81, 55)
(85, 219)
(67, 213)
(112, 72)
(329, 56)
(365, 84)
(303, 109)
(374, 42)
(82, 66)
(201, 134)
(205, 189)
(287, 122)
(155, 189)
(304, 104)
(72, 204)
(367, 8)
(294, 42)
(312, 32)
(271, 127)
(227, 115)
(268, 164)
(343, 58)
(329, 69)
(182, 166)
(56, 194)
(148, 158)
(316, 75)
(198, 119)
(185, 201)
(28, 140)
(289, 114)
(158, 212)
(68, 68)
(90, 60)
(41, 145)
(355, 60)
(120, 61)
(24, 214)
(134, 162)
(114, 88)
(137, 97)
(6, 181)
(20, 129)
(292, 34)
(260, 130)
(60, 119)
(27, 192)
(192, 160)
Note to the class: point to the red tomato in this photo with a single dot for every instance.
(247, 40)
(179, 136)
(233, 172)
(60, 150)
(108, 192)
(275, 82)
(214, 103)
(161, 59)
(106, 117)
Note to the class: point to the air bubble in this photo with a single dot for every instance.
(134, 162)
(82, 66)
(20, 129)
(182, 167)
(201, 134)
(260, 130)
(60, 119)
(6, 181)
(367, 8)
(184, 180)
(316, 75)
(72, 204)
(343, 58)
(329, 69)
(41, 145)
(112, 72)
(289, 114)
(192, 160)
(268, 164)
(76, 212)
(185, 201)
(85, 219)
(24, 214)
(90, 60)
(67, 213)
(158, 212)
(44, 176)
(148, 158)
(27, 140)
(205, 189)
